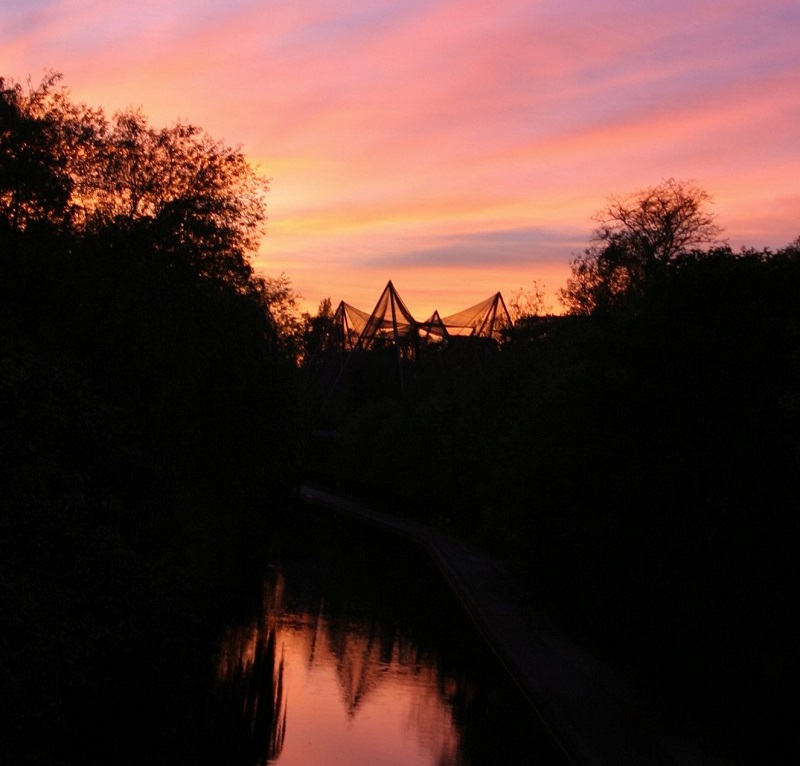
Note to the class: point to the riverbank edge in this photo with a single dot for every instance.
(592, 716)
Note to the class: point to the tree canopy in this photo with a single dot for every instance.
(637, 236)
(635, 473)
(126, 249)
(67, 165)
(147, 408)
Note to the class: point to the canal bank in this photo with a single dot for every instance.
(592, 715)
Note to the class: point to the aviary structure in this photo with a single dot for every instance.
(391, 325)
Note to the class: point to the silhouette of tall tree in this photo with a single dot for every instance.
(35, 180)
(125, 249)
(636, 239)
(145, 395)
(317, 328)
(193, 195)
(190, 196)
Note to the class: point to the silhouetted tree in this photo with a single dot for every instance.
(35, 179)
(637, 237)
(147, 423)
(145, 279)
(528, 303)
(200, 199)
(317, 328)
(194, 199)
(281, 300)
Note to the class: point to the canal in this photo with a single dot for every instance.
(358, 654)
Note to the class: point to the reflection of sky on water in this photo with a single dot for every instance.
(350, 706)
(351, 694)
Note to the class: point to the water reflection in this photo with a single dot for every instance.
(359, 663)
(252, 684)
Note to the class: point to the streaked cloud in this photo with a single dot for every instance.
(463, 142)
(505, 247)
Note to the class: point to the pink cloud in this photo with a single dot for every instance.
(391, 128)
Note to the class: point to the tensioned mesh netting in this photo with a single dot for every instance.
(392, 322)
(488, 319)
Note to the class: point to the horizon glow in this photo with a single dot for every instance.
(456, 148)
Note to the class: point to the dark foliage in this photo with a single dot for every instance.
(638, 466)
(636, 240)
(146, 425)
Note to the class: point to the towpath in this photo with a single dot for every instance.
(595, 719)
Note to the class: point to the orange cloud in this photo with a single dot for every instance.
(408, 136)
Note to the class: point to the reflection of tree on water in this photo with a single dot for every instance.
(253, 718)
(369, 654)
(368, 639)
(357, 650)
(370, 651)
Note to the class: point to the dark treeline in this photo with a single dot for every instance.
(147, 425)
(635, 460)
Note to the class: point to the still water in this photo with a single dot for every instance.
(359, 655)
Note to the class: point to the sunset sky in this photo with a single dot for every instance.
(457, 147)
